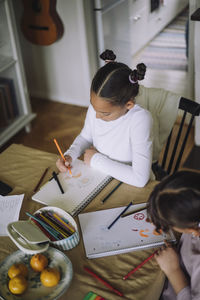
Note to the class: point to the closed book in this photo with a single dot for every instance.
(4, 120)
(8, 100)
(10, 83)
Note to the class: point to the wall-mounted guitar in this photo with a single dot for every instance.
(40, 23)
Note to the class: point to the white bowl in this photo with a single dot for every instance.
(66, 243)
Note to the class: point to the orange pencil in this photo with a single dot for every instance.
(59, 150)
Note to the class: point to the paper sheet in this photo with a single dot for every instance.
(126, 235)
(79, 189)
(9, 211)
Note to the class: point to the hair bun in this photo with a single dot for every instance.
(108, 55)
(141, 70)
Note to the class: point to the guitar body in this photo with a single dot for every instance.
(40, 23)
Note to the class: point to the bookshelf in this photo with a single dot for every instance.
(15, 108)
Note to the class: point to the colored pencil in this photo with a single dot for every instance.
(50, 223)
(92, 296)
(44, 230)
(49, 215)
(104, 200)
(64, 220)
(125, 209)
(40, 180)
(63, 223)
(140, 265)
(62, 155)
(58, 182)
(48, 228)
(133, 211)
(51, 227)
(103, 281)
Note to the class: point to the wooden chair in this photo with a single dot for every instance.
(171, 159)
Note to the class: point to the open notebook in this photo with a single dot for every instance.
(79, 189)
(127, 234)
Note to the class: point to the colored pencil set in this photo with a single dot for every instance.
(93, 296)
(52, 225)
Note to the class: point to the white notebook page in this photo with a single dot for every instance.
(127, 234)
(79, 188)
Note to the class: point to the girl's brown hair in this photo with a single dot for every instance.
(115, 81)
(175, 201)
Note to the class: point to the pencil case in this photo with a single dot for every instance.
(69, 242)
(31, 239)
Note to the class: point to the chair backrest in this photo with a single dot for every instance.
(171, 159)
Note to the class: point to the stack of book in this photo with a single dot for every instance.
(8, 102)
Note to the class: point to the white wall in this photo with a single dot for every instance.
(59, 71)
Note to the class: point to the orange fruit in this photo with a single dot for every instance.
(38, 262)
(17, 285)
(17, 269)
(50, 277)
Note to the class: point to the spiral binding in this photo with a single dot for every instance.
(91, 196)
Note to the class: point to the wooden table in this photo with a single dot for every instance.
(21, 167)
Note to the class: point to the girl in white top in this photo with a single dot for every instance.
(116, 138)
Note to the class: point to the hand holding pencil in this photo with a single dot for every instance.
(64, 163)
(61, 164)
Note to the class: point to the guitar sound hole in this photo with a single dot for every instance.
(34, 27)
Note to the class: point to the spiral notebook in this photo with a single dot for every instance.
(79, 189)
(127, 234)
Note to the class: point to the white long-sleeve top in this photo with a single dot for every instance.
(124, 145)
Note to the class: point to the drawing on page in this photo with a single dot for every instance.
(78, 180)
(143, 232)
(67, 177)
(139, 216)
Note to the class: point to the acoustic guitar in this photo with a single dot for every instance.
(40, 22)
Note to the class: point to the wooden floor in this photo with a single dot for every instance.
(54, 120)
(63, 122)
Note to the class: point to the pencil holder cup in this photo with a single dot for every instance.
(65, 243)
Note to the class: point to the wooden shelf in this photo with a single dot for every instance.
(6, 62)
(14, 127)
(16, 110)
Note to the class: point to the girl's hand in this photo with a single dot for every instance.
(62, 165)
(168, 259)
(88, 155)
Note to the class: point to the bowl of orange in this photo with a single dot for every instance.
(49, 283)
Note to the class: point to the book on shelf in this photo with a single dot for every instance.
(9, 113)
(7, 85)
(3, 111)
(128, 234)
(80, 188)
